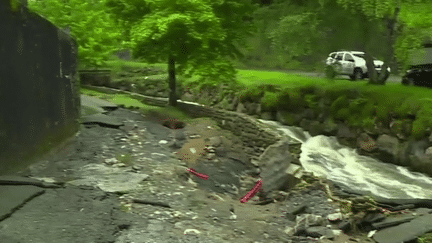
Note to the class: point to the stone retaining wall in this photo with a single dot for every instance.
(39, 93)
(255, 135)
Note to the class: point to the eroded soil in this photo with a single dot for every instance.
(200, 210)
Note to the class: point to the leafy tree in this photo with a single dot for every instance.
(96, 33)
(295, 34)
(416, 29)
(128, 13)
(388, 12)
(307, 31)
(196, 34)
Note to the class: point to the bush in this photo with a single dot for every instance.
(408, 106)
(252, 94)
(368, 123)
(368, 110)
(343, 114)
(423, 121)
(311, 89)
(270, 101)
(356, 106)
(312, 100)
(339, 103)
(419, 129)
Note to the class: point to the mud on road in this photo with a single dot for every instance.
(108, 171)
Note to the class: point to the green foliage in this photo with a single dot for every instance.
(270, 101)
(198, 35)
(15, 5)
(368, 109)
(312, 100)
(368, 123)
(419, 128)
(427, 238)
(304, 27)
(290, 99)
(96, 33)
(343, 114)
(251, 94)
(356, 106)
(339, 103)
(409, 106)
(371, 8)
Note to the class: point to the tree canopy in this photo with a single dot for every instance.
(96, 33)
(196, 34)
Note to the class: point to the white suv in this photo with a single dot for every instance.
(352, 63)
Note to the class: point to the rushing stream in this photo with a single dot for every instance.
(325, 157)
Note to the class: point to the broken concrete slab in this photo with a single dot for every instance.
(388, 222)
(102, 119)
(13, 197)
(405, 232)
(95, 102)
(109, 179)
(19, 180)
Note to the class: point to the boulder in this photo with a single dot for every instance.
(315, 128)
(252, 108)
(419, 155)
(215, 141)
(276, 169)
(305, 124)
(335, 217)
(234, 104)
(267, 116)
(403, 157)
(329, 127)
(387, 147)
(422, 164)
(288, 118)
(345, 132)
(407, 127)
(366, 143)
(319, 231)
(241, 108)
(309, 114)
(258, 109)
(428, 151)
(284, 118)
(396, 129)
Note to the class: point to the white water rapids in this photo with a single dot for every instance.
(325, 157)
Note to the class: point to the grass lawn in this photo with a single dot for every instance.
(122, 99)
(255, 77)
(389, 97)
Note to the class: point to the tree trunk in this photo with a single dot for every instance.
(172, 100)
(371, 68)
(365, 46)
(391, 27)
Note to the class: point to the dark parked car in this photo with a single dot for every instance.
(419, 75)
(420, 71)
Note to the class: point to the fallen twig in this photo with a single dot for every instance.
(142, 201)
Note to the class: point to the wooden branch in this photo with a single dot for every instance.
(154, 203)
